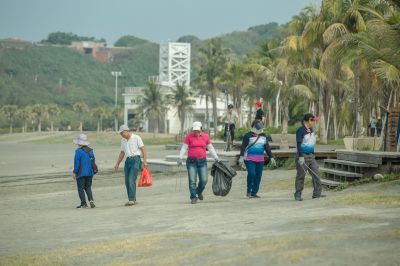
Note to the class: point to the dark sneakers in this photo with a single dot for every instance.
(200, 196)
(92, 204)
(82, 206)
(318, 196)
(298, 197)
(194, 201)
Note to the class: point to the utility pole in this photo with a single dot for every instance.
(116, 74)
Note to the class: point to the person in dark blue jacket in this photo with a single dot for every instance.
(305, 158)
(83, 171)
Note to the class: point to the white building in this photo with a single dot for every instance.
(174, 68)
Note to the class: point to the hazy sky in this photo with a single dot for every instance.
(155, 20)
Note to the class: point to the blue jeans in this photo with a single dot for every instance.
(196, 167)
(254, 173)
(132, 167)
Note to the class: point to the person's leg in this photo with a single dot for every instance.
(251, 173)
(127, 169)
(259, 166)
(88, 187)
(132, 177)
(312, 164)
(225, 130)
(232, 129)
(80, 183)
(192, 178)
(203, 178)
(299, 184)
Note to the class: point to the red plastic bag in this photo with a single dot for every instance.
(145, 178)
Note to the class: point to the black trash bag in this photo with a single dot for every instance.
(222, 178)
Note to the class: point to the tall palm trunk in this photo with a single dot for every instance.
(322, 125)
(52, 126)
(277, 108)
(98, 125)
(207, 114)
(383, 131)
(215, 114)
(285, 119)
(40, 125)
(270, 119)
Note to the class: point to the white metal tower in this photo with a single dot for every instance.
(174, 63)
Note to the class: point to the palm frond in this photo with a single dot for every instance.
(334, 31)
(387, 72)
(302, 90)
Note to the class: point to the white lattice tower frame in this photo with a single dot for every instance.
(174, 63)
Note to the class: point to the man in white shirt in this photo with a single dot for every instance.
(132, 147)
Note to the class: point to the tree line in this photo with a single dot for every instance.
(32, 117)
(340, 61)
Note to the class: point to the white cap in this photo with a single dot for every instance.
(196, 125)
(81, 140)
(123, 128)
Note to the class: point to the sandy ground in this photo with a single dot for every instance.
(40, 226)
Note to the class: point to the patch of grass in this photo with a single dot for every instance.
(369, 198)
(340, 219)
(386, 178)
(332, 142)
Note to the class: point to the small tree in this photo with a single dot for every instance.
(54, 111)
(99, 113)
(153, 104)
(24, 114)
(40, 113)
(181, 100)
(9, 111)
(81, 108)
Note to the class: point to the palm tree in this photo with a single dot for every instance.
(181, 100)
(153, 105)
(81, 108)
(116, 113)
(99, 113)
(200, 85)
(54, 111)
(237, 82)
(24, 114)
(213, 59)
(9, 111)
(40, 113)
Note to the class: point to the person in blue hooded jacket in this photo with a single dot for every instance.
(83, 171)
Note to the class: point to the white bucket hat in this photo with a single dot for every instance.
(196, 125)
(123, 128)
(81, 140)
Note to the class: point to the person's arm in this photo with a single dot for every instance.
(211, 149)
(299, 140)
(120, 158)
(144, 156)
(184, 149)
(245, 143)
(268, 148)
(76, 164)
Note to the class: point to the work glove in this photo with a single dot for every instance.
(273, 162)
(241, 160)
(179, 161)
(301, 161)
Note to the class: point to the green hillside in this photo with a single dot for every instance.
(43, 73)
(31, 73)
